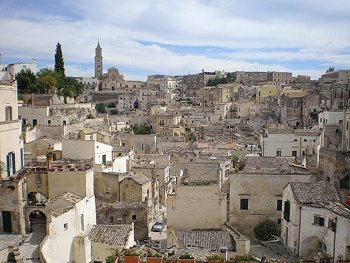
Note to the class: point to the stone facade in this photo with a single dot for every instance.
(112, 80)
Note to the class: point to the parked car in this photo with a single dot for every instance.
(158, 227)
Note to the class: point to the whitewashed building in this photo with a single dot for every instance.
(11, 141)
(8, 72)
(288, 142)
(315, 221)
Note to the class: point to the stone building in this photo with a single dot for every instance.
(98, 62)
(205, 207)
(11, 140)
(112, 80)
(292, 108)
(315, 221)
(156, 171)
(256, 191)
(280, 141)
(127, 198)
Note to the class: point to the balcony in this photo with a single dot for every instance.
(62, 165)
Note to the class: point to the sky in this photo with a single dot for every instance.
(178, 37)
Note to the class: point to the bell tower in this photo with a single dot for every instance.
(98, 61)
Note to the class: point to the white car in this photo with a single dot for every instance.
(158, 227)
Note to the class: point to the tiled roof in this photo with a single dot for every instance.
(284, 130)
(110, 234)
(67, 196)
(307, 132)
(271, 165)
(295, 93)
(60, 211)
(314, 193)
(139, 178)
(207, 239)
(339, 209)
(121, 206)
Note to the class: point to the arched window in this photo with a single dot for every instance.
(8, 113)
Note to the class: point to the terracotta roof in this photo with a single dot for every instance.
(319, 193)
(110, 234)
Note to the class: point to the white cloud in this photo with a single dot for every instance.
(279, 31)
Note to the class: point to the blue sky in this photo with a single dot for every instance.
(143, 37)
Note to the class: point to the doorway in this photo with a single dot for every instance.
(7, 223)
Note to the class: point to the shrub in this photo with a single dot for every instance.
(110, 259)
(215, 258)
(100, 108)
(237, 259)
(114, 112)
(265, 230)
(111, 105)
(142, 129)
(11, 258)
(186, 256)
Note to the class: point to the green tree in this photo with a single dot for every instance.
(265, 230)
(142, 129)
(100, 108)
(110, 259)
(111, 105)
(11, 258)
(69, 87)
(25, 79)
(113, 112)
(59, 63)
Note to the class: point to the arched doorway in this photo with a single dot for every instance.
(136, 104)
(37, 222)
(311, 246)
(345, 182)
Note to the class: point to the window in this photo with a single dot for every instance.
(82, 225)
(279, 205)
(318, 220)
(303, 153)
(119, 221)
(133, 217)
(332, 225)
(37, 179)
(295, 140)
(244, 204)
(65, 226)
(305, 140)
(48, 122)
(294, 153)
(278, 153)
(8, 113)
(10, 163)
(295, 103)
(147, 195)
(111, 220)
(286, 212)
